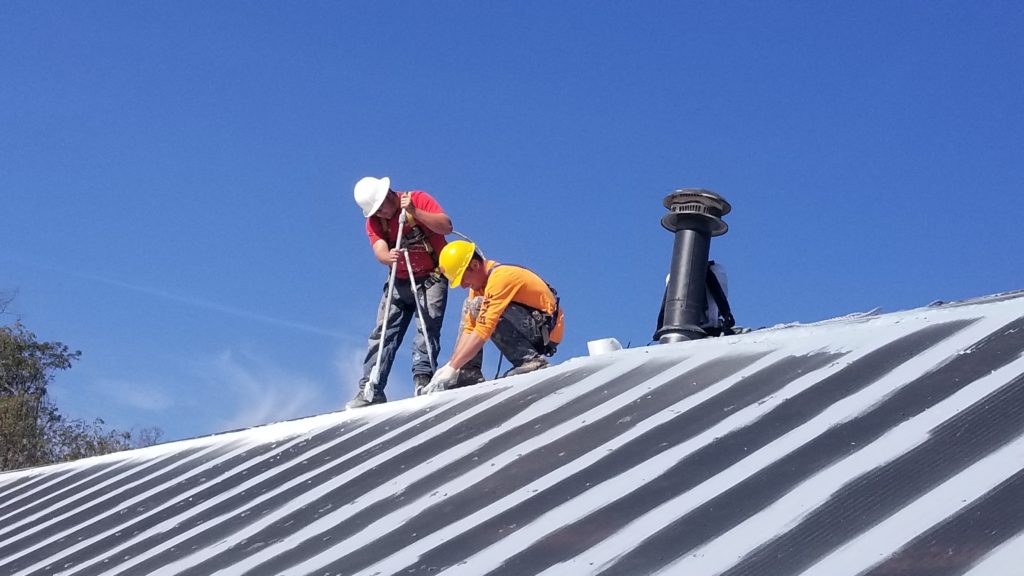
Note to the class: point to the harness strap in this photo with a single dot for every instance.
(427, 246)
(417, 233)
(721, 300)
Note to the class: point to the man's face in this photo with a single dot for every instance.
(389, 207)
(474, 277)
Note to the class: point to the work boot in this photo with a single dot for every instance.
(359, 401)
(420, 383)
(529, 365)
(468, 377)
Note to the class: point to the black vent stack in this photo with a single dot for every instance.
(695, 216)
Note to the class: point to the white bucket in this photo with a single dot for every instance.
(603, 346)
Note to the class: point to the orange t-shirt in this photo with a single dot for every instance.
(507, 284)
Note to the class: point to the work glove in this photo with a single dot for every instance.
(444, 378)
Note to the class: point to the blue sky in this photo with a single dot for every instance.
(176, 178)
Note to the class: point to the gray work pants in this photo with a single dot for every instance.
(518, 335)
(433, 297)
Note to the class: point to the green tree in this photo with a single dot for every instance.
(33, 431)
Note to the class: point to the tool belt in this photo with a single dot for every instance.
(426, 281)
(547, 324)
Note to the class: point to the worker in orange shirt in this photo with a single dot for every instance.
(516, 309)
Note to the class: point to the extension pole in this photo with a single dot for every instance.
(371, 384)
(419, 310)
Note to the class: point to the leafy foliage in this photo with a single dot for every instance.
(33, 432)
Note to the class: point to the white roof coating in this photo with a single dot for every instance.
(865, 446)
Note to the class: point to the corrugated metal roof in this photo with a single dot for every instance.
(878, 445)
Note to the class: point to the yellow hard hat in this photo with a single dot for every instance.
(454, 260)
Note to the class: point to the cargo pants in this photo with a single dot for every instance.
(433, 297)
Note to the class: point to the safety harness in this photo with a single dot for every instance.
(418, 236)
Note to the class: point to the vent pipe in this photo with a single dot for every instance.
(695, 216)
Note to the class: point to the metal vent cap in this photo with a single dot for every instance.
(686, 203)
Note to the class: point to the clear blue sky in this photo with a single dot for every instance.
(176, 177)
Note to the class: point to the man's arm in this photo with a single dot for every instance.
(466, 348)
(438, 222)
(385, 255)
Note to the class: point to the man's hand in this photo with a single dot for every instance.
(443, 379)
(406, 203)
(396, 256)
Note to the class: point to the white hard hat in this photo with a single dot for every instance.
(370, 193)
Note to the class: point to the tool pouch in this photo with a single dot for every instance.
(544, 326)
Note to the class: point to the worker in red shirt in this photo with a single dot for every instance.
(509, 304)
(424, 237)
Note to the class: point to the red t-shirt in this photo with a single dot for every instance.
(416, 239)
